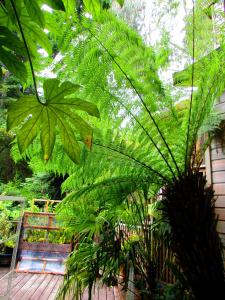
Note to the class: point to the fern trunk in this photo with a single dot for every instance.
(189, 207)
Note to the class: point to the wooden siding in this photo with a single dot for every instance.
(220, 202)
(217, 157)
(220, 106)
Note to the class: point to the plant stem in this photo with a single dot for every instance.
(192, 84)
(27, 50)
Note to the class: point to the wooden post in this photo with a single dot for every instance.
(208, 165)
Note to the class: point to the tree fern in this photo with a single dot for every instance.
(119, 73)
(152, 149)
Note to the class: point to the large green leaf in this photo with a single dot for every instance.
(35, 12)
(48, 132)
(57, 111)
(19, 111)
(13, 64)
(10, 10)
(93, 6)
(55, 4)
(11, 50)
(34, 34)
(82, 127)
(29, 130)
(54, 92)
(80, 104)
(70, 6)
(11, 41)
(69, 141)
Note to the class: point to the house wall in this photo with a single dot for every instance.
(216, 170)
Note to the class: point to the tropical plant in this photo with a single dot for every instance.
(159, 144)
(33, 113)
(146, 143)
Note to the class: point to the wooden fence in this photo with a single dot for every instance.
(162, 256)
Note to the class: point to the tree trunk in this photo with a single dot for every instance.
(189, 207)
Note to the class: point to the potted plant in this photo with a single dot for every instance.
(7, 239)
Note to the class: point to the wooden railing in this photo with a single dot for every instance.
(40, 220)
(41, 256)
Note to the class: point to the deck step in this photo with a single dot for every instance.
(43, 259)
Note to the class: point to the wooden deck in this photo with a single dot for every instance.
(31, 286)
(27, 286)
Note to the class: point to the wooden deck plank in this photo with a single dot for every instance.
(26, 287)
(56, 288)
(52, 286)
(4, 282)
(3, 272)
(39, 292)
(21, 281)
(29, 286)
(36, 286)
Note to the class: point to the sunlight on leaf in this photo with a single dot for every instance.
(57, 111)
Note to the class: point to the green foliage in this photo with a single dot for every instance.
(6, 235)
(11, 50)
(43, 117)
(174, 292)
(146, 140)
(40, 236)
(135, 92)
(35, 12)
(93, 6)
(205, 35)
(151, 149)
(8, 168)
(32, 20)
(9, 213)
(55, 4)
